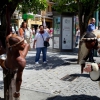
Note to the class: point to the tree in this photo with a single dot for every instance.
(7, 8)
(83, 8)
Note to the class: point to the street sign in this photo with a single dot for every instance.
(27, 16)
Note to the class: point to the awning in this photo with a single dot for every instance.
(27, 16)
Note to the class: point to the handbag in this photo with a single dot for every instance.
(46, 43)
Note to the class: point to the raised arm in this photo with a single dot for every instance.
(25, 51)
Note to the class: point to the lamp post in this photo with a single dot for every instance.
(97, 18)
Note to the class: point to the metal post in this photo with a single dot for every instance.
(97, 18)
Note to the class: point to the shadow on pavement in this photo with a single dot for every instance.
(83, 75)
(71, 77)
(52, 62)
(72, 59)
(74, 97)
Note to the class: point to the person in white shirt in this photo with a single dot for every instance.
(39, 39)
(25, 32)
(77, 36)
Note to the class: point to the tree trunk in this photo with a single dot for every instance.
(3, 27)
(6, 18)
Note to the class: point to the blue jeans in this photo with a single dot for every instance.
(77, 39)
(38, 52)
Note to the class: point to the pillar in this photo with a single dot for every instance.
(96, 16)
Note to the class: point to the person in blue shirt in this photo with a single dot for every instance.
(91, 28)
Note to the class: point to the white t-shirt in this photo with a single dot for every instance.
(39, 39)
(27, 33)
(78, 33)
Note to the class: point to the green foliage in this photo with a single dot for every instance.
(75, 5)
(32, 6)
(65, 5)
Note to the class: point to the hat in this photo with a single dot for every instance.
(89, 36)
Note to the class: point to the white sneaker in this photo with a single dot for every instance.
(44, 62)
(36, 63)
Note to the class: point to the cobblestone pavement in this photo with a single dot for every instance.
(52, 78)
(47, 78)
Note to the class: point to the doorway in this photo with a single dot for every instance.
(35, 26)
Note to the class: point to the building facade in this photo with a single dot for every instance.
(41, 18)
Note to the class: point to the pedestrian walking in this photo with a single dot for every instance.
(77, 37)
(40, 38)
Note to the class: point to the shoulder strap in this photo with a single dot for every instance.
(42, 37)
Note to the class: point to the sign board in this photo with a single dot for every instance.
(67, 33)
(56, 42)
(57, 28)
(27, 16)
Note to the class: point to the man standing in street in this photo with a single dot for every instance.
(39, 39)
(91, 28)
